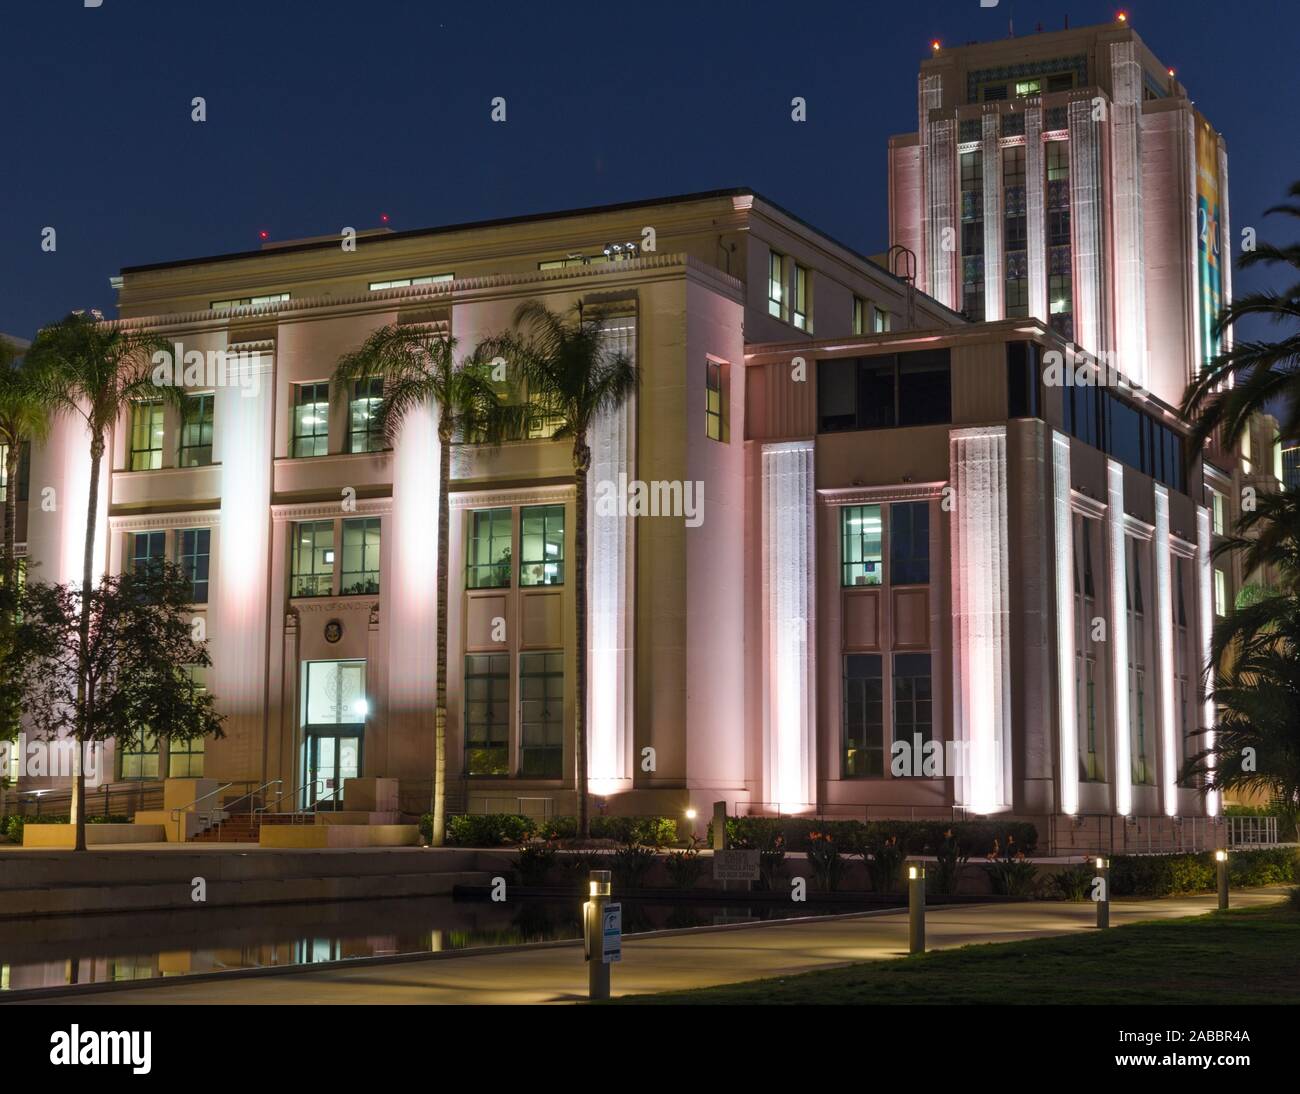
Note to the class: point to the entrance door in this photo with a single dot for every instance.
(330, 760)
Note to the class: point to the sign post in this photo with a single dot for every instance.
(602, 934)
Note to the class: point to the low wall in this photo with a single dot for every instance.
(339, 835)
(97, 835)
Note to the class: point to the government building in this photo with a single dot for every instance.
(942, 503)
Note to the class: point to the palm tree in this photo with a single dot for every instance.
(24, 417)
(571, 376)
(92, 372)
(1264, 375)
(417, 363)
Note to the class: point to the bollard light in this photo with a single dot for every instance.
(1103, 902)
(1221, 870)
(916, 909)
(593, 921)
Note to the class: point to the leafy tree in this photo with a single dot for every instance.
(92, 372)
(571, 376)
(135, 679)
(24, 417)
(418, 366)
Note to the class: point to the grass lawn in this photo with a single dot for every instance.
(1250, 955)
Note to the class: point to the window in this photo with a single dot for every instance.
(1024, 380)
(1220, 593)
(487, 714)
(336, 693)
(860, 545)
(360, 573)
(541, 545)
(185, 758)
(193, 547)
(487, 563)
(972, 234)
(541, 715)
(1060, 273)
(250, 301)
(1218, 503)
(311, 421)
(776, 284)
(1029, 87)
(407, 282)
(1015, 231)
(148, 549)
(139, 758)
(146, 435)
(860, 307)
(313, 558)
(196, 430)
(715, 401)
(363, 424)
(1183, 694)
(884, 391)
(864, 714)
(802, 311)
(1141, 763)
(1085, 658)
(913, 703)
(882, 321)
(909, 543)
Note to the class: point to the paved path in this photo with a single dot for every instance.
(692, 959)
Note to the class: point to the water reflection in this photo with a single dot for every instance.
(142, 946)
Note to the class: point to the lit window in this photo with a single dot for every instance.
(311, 422)
(1218, 506)
(360, 573)
(487, 714)
(1220, 593)
(146, 435)
(196, 430)
(313, 558)
(541, 715)
(250, 301)
(487, 564)
(336, 693)
(541, 545)
(860, 545)
(776, 284)
(882, 321)
(859, 315)
(185, 758)
(715, 401)
(363, 432)
(193, 546)
(408, 282)
(1028, 87)
(801, 312)
(139, 758)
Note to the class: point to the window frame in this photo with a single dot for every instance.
(318, 438)
(156, 427)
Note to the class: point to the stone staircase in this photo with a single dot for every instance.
(246, 827)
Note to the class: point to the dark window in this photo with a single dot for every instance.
(541, 715)
(909, 543)
(196, 430)
(147, 551)
(880, 392)
(487, 714)
(1123, 432)
(864, 714)
(193, 546)
(1023, 380)
(912, 698)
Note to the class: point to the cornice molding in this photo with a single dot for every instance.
(531, 495)
(855, 495)
(330, 510)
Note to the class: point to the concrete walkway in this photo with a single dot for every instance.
(664, 962)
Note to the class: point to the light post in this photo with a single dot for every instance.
(593, 920)
(1221, 868)
(916, 909)
(1103, 897)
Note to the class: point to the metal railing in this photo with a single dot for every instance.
(131, 797)
(1252, 831)
(873, 811)
(225, 809)
(267, 809)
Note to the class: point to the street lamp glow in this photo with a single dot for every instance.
(690, 814)
(361, 708)
(1220, 856)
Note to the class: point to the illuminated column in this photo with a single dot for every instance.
(981, 617)
(56, 532)
(991, 158)
(1205, 600)
(1126, 175)
(1063, 520)
(1037, 242)
(1087, 215)
(940, 184)
(789, 588)
(238, 613)
(1165, 655)
(610, 591)
(1118, 558)
(413, 613)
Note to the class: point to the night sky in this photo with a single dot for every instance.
(326, 113)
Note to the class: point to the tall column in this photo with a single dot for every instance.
(991, 155)
(940, 204)
(1122, 794)
(789, 617)
(611, 557)
(1034, 212)
(1087, 209)
(1067, 711)
(1126, 204)
(981, 617)
(1168, 723)
(1205, 621)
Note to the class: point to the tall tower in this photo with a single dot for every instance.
(1068, 176)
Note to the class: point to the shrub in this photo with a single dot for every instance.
(630, 864)
(13, 825)
(884, 860)
(951, 857)
(534, 863)
(653, 831)
(1073, 883)
(826, 861)
(1012, 878)
(912, 837)
(1167, 875)
(485, 829)
(686, 867)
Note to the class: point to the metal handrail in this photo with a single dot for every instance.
(176, 813)
(224, 809)
(293, 794)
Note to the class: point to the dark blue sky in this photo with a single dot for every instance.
(325, 113)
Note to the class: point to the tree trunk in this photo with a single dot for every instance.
(581, 467)
(83, 647)
(444, 569)
(12, 457)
